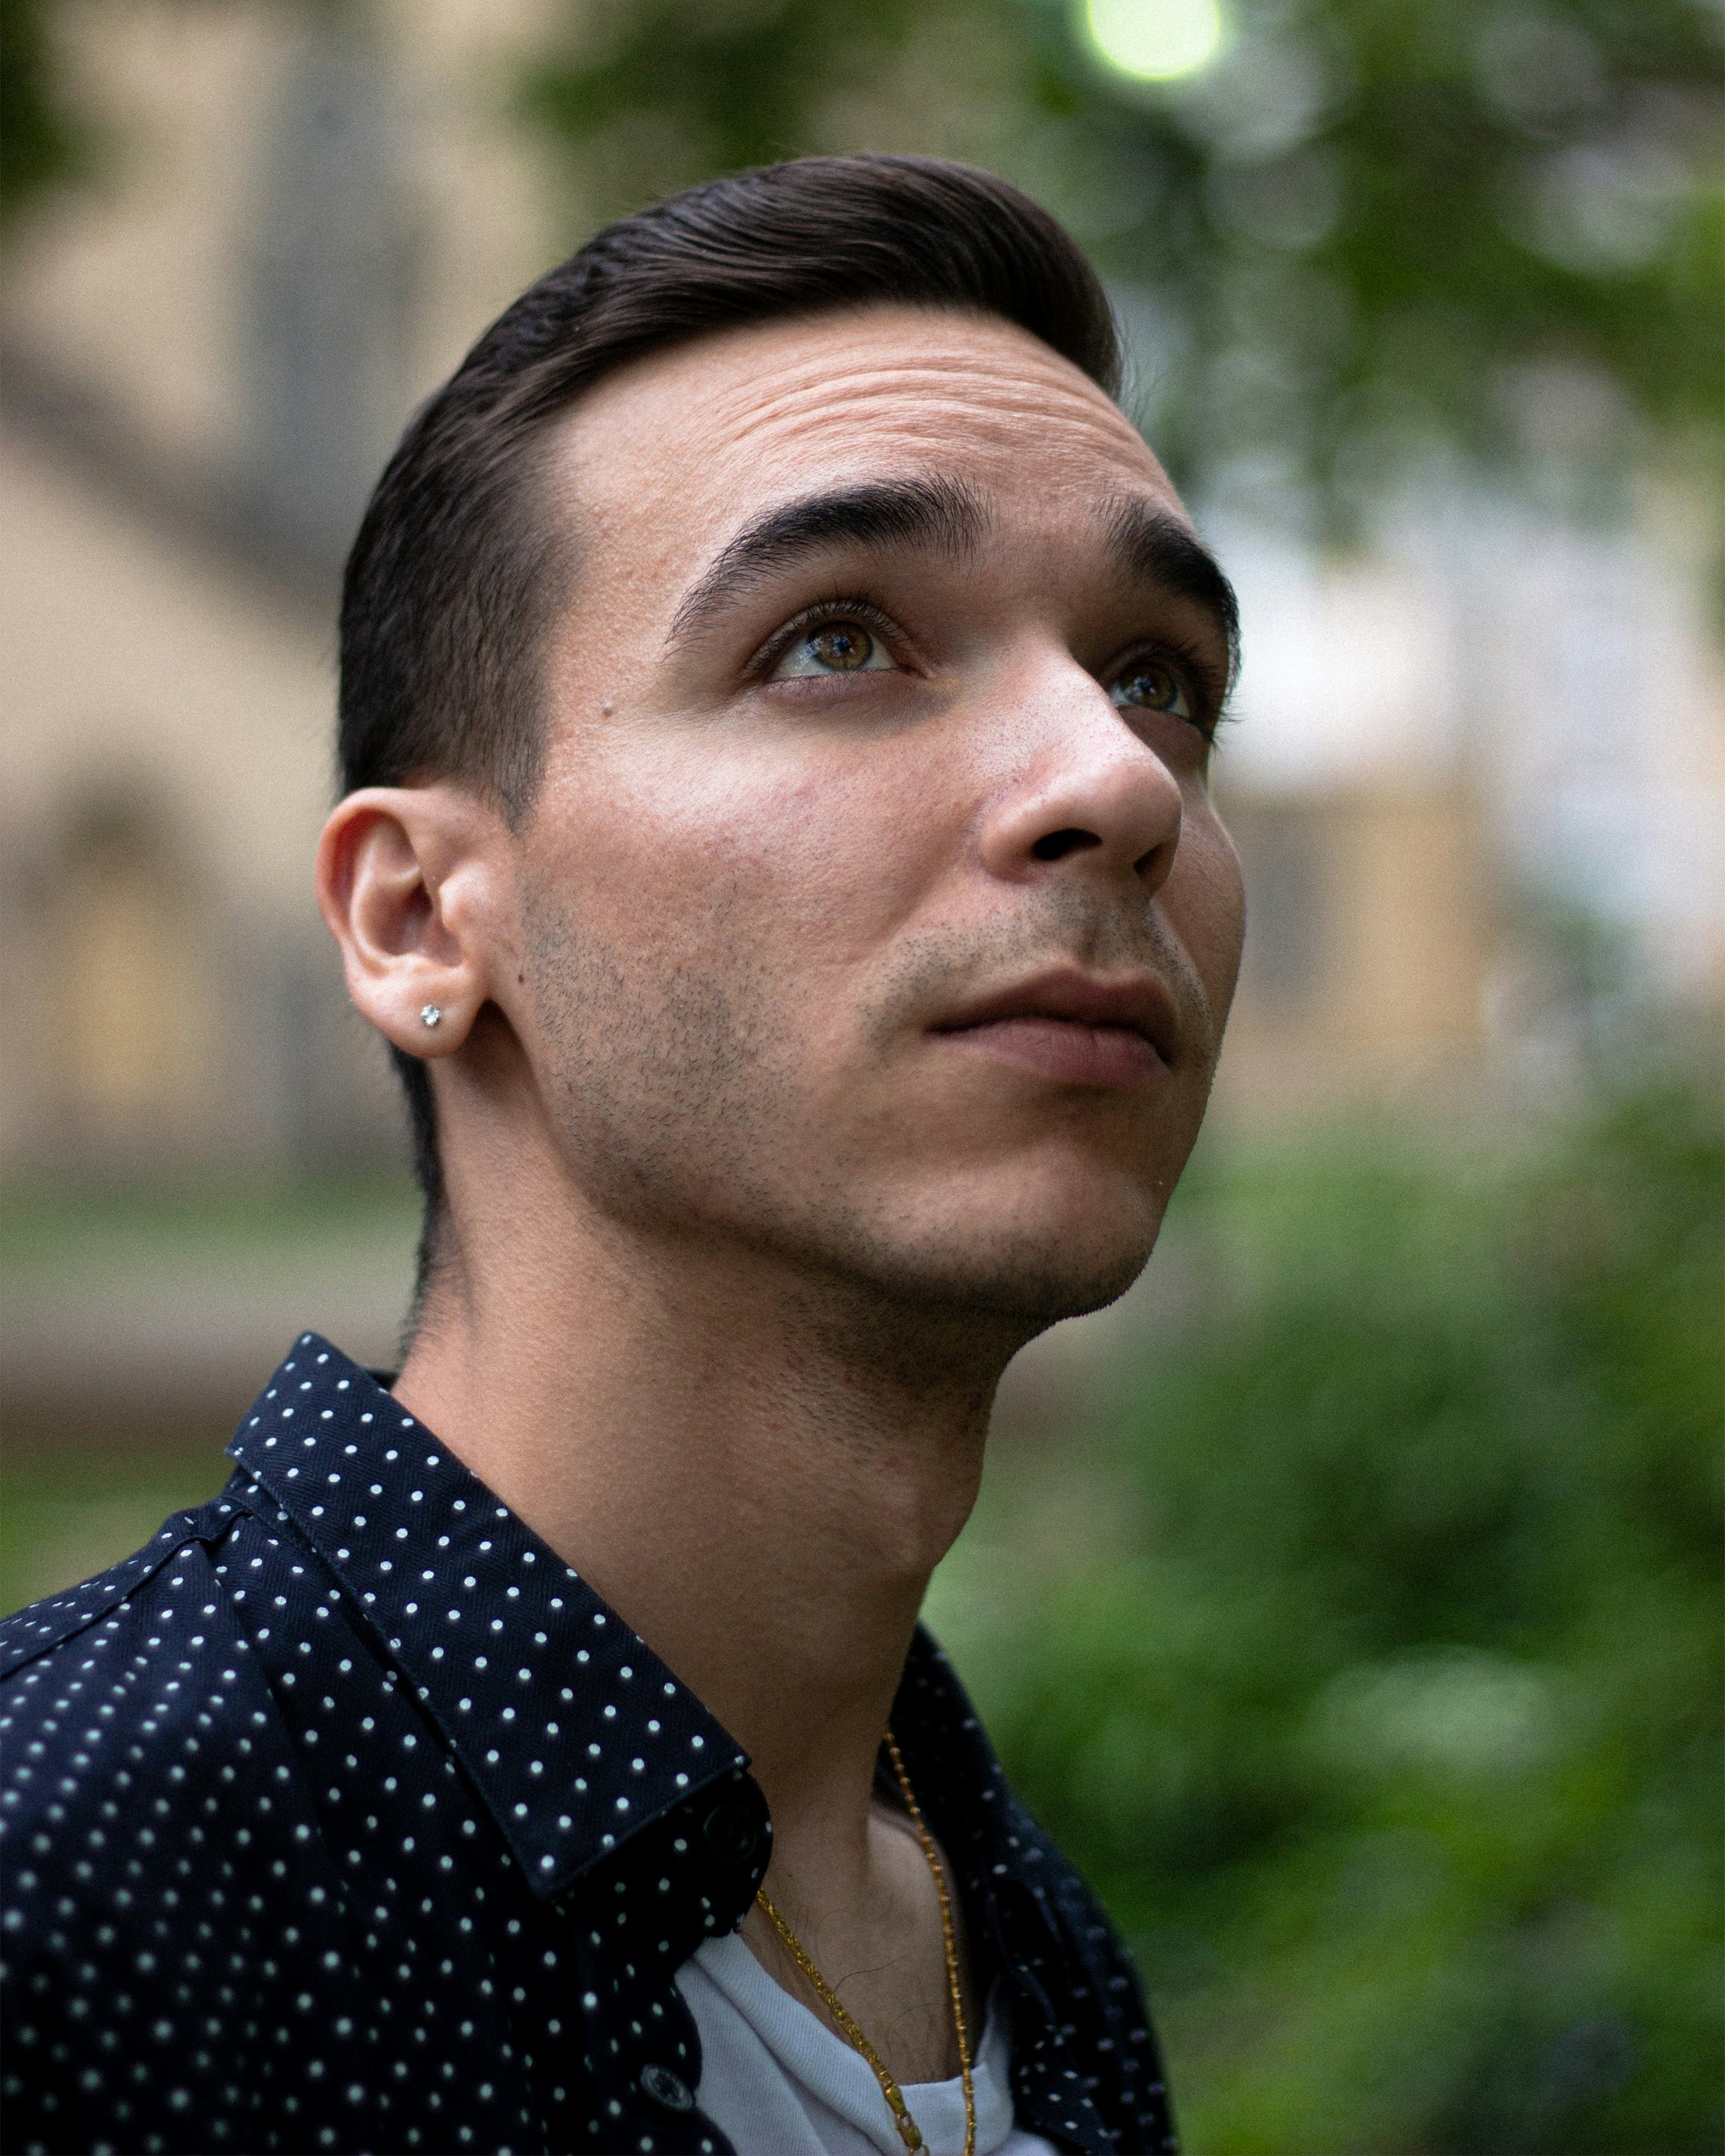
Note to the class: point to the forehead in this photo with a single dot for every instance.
(732, 422)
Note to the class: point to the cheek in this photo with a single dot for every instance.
(1206, 899)
(718, 860)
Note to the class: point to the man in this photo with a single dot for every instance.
(777, 685)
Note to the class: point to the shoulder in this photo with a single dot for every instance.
(134, 1582)
(90, 1624)
(149, 1796)
(136, 1685)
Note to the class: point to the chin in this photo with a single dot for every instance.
(1020, 1267)
(1038, 1289)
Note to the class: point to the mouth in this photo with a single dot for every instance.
(1074, 1028)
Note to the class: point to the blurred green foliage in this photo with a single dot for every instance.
(1369, 229)
(40, 142)
(1374, 1675)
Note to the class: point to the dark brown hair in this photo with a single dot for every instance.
(458, 564)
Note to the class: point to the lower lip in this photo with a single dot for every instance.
(1065, 1052)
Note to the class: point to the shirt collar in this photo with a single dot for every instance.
(573, 1730)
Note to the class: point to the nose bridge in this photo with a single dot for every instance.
(1076, 783)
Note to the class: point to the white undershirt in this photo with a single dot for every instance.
(780, 2082)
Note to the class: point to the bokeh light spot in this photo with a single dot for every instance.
(1154, 40)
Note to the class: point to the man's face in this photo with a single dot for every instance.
(874, 913)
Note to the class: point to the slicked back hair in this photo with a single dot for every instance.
(460, 561)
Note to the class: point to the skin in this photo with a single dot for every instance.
(742, 1230)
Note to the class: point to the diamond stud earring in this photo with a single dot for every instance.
(430, 1015)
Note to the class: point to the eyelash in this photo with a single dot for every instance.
(1206, 693)
(837, 608)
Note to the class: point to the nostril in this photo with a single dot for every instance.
(1058, 845)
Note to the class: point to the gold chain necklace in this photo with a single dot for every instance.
(908, 2132)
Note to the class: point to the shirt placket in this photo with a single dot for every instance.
(635, 1920)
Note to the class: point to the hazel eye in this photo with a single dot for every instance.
(1148, 685)
(833, 647)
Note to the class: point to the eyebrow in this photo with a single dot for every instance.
(1151, 544)
(940, 515)
(943, 516)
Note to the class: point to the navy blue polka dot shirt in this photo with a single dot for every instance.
(345, 1816)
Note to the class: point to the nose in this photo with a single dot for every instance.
(1091, 798)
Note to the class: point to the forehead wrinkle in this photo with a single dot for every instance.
(891, 348)
(1080, 461)
(949, 400)
(926, 383)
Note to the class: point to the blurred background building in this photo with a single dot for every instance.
(1423, 306)
(296, 225)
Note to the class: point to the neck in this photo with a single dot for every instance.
(730, 1457)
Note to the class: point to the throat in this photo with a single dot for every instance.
(877, 1963)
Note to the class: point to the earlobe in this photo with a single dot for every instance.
(402, 877)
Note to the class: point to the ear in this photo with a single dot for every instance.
(410, 880)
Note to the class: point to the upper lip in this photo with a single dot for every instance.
(1139, 1001)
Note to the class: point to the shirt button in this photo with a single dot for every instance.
(732, 1831)
(665, 2087)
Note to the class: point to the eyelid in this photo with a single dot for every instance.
(1206, 690)
(836, 608)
